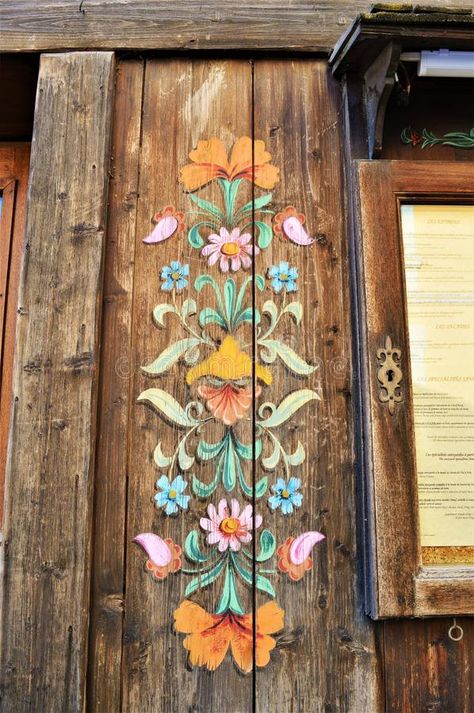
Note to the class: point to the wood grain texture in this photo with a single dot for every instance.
(184, 102)
(110, 494)
(160, 24)
(402, 588)
(14, 161)
(51, 452)
(424, 670)
(327, 660)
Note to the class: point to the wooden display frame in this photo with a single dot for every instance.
(398, 583)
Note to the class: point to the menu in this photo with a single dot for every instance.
(438, 247)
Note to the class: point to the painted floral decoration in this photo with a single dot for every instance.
(209, 636)
(232, 249)
(174, 276)
(283, 277)
(226, 375)
(286, 495)
(171, 497)
(227, 526)
(167, 222)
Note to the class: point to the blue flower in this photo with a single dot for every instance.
(286, 496)
(171, 497)
(283, 276)
(173, 276)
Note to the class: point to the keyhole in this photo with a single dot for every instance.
(390, 375)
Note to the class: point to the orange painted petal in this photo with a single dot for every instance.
(193, 177)
(270, 618)
(266, 176)
(265, 644)
(209, 160)
(209, 647)
(241, 158)
(242, 647)
(190, 618)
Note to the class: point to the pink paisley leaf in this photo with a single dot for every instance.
(156, 548)
(163, 230)
(294, 230)
(302, 546)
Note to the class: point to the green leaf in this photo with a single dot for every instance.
(228, 465)
(288, 356)
(290, 404)
(246, 451)
(194, 235)
(207, 206)
(208, 451)
(229, 298)
(170, 355)
(168, 407)
(229, 599)
(204, 580)
(160, 311)
(256, 204)
(260, 282)
(261, 583)
(210, 316)
(260, 486)
(265, 234)
(192, 549)
(246, 316)
(271, 461)
(267, 546)
(160, 459)
(204, 490)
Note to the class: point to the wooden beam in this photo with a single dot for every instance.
(299, 25)
(51, 450)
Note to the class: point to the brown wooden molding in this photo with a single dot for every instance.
(46, 550)
(302, 25)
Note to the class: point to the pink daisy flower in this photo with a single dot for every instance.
(229, 527)
(233, 249)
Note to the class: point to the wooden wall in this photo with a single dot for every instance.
(70, 522)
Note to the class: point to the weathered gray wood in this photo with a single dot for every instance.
(152, 24)
(51, 451)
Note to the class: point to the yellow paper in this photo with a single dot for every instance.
(438, 243)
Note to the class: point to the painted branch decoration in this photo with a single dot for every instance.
(219, 371)
(426, 138)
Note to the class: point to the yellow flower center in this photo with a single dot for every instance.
(230, 249)
(175, 275)
(283, 276)
(172, 494)
(229, 525)
(285, 494)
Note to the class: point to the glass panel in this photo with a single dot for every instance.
(438, 242)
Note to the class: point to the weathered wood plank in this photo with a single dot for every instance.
(159, 24)
(51, 458)
(184, 102)
(327, 658)
(110, 495)
(14, 162)
(424, 670)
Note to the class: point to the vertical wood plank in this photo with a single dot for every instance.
(424, 670)
(327, 657)
(46, 550)
(184, 102)
(110, 492)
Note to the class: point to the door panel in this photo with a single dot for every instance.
(257, 395)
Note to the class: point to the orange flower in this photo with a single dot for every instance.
(209, 635)
(229, 403)
(294, 571)
(210, 161)
(173, 566)
(289, 212)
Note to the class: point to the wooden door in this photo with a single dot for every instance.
(225, 483)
